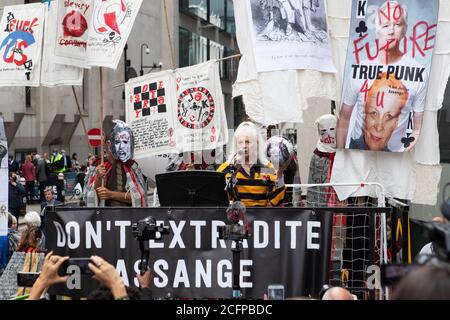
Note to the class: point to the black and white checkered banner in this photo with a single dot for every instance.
(177, 110)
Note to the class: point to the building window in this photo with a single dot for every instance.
(444, 127)
(230, 24)
(193, 48)
(217, 14)
(197, 8)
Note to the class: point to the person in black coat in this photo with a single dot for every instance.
(15, 195)
(13, 165)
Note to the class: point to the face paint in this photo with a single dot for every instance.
(326, 125)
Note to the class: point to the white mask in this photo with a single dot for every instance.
(326, 125)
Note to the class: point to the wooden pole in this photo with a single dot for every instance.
(81, 117)
(102, 151)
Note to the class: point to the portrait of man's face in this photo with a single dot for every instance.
(122, 145)
(391, 26)
(382, 109)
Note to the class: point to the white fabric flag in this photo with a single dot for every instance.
(426, 151)
(21, 31)
(177, 111)
(150, 112)
(73, 21)
(200, 108)
(279, 96)
(55, 74)
(289, 35)
(112, 21)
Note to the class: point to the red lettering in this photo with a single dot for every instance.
(161, 85)
(359, 49)
(153, 93)
(365, 89)
(137, 113)
(380, 100)
(18, 49)
(145, 88)
(137, 98)
(428, 42)
(145, 104)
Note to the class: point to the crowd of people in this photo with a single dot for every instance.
(259, 171)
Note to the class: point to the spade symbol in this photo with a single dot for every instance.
(361, 28)
(407, 140)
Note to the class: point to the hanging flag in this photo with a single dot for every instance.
(3, 196)
(200, 115)
(386, 74)
(112, 21)
(73, 21)
(55, 74)
(177, 111)
(289, 35)
(21, 30)
(150, 112)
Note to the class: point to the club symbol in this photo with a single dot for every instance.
(407, 140)
(362, 28)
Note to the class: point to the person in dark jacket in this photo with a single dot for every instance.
(13, 165)
(16, 193)
(41, 176)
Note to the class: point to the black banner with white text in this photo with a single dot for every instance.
(287, 246)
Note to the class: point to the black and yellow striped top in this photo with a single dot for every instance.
(257, 189)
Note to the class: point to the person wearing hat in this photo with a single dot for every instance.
(119, 181)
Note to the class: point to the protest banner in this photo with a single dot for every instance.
(289, 35)
(288, 246)
(386, 74)
(21, 31)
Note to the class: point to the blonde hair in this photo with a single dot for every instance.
(261, 143)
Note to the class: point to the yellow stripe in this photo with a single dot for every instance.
(399, 229)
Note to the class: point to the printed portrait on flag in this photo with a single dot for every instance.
(21, 31)
(386, 74)
(290, 34)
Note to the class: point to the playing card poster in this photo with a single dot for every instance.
(73, 21)
(150, 112)
(386, 74)
(201, 122)
(55, 74)
(21, 30)
(290, 34)
(177, 110)
(112, 21)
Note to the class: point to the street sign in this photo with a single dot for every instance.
(94, 137)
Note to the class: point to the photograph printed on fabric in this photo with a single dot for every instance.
(290, 34)
(386, 74)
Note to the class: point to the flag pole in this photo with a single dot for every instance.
(81, 117)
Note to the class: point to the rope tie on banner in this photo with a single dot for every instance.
(217, 60)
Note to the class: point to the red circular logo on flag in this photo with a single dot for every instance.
(95, 137)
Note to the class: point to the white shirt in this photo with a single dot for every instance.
(354, 97)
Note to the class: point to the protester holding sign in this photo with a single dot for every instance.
(123, 180)
(258, 184)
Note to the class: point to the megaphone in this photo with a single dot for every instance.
(445, 207)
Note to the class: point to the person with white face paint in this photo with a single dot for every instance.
(322, 162)
(119, 182)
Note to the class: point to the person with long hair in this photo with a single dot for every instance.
(258, 184)
(30, 241)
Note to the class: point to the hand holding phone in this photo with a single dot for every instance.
(80, 265)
